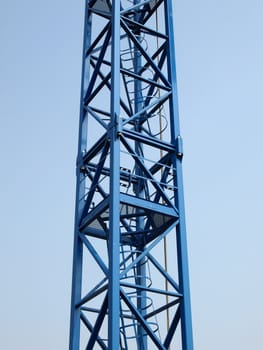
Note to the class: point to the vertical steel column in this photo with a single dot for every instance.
(141, 267)
(74, 337)
(186, 318)
(114, 225)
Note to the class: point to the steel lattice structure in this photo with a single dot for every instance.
(130, 286)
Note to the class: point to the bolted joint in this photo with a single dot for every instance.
(179, 147)
(116, 128)
(80, 166)
(83, 169)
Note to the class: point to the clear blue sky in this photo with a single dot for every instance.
(219, 64)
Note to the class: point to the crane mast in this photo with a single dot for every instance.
(130, 283)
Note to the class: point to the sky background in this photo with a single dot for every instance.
(219, 53)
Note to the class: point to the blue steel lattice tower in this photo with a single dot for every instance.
(130, 287)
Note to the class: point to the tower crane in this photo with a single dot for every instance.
(130, 280)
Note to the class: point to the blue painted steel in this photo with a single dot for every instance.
(129, 193)
(74, 337)
(186, 319)
(114, 231)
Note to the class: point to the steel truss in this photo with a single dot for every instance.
(127, 293)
